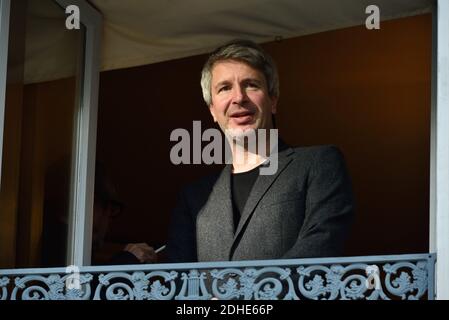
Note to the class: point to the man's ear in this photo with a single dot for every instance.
(212, 112)
(274, 105)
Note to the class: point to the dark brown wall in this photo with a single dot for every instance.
(369, 93)
(139, 108)
(366, 91)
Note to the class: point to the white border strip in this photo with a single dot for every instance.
(442, 152)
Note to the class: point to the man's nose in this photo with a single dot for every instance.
(239, 95)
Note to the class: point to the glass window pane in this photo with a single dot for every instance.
(42, 99)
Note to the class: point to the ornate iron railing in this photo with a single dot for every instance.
(375, 277)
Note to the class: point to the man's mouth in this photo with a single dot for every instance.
(242, 117)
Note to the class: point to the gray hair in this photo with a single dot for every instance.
(245, 51)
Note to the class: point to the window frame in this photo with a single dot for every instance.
(5, 6)
(83, 171)
(439, 151)
(80, 226)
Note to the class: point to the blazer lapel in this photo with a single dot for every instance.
(215, 226)
(260, 187)
(216, 239)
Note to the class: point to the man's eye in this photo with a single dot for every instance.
(252, 85)
(225, 88)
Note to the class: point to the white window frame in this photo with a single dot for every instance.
(81, 207)
(439, 164)
(80, 230)
(5, 6)
(80, 248)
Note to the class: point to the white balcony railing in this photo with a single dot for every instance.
(372, 277)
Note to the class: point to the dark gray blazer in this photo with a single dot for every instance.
(304, 210)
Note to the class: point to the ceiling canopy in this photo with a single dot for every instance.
(139, 32)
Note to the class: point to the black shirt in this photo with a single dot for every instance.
(242, 183)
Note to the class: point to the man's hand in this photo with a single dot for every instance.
(142, 251)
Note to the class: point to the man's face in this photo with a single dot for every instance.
(240, 99)
(102, 214)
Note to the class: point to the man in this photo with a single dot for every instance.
(303, 209)
(106, 206)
